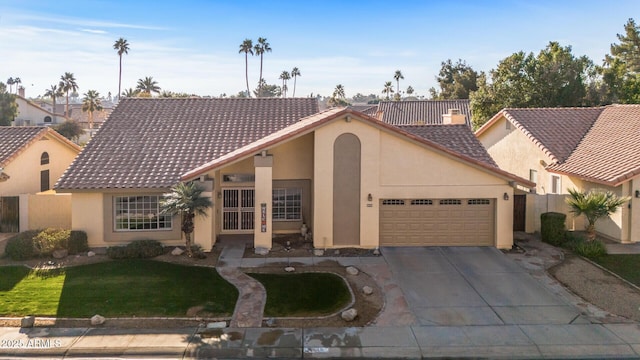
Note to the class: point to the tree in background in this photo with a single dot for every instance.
(67, 84)
(147, 86)
(260, 48)
(338, 98)
(91, 103)
(456, 81)
(17, 81)
(410, 90)
(130, 92)
(388, 89)
(69, 129)
(10, 82)
(284, 76)
(8, 106)
(53, 92)
(397, 76)
(267, 90)
(294, 74)
(122, 47)
(621, 70)
(247, 48)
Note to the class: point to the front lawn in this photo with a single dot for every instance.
(115, 288)
(304, 294)
(625, 265)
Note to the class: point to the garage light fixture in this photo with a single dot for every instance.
(370, 197)
(505, 196)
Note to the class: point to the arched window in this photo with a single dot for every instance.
(44, 158)
(47, 119)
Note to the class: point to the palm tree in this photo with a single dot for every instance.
(284, 76)
(295, 73)
(247, 48)
(10, 82)
(338, 92)
(398, 75)
(53, 92)
(122, 46)
(186, 200)
(410, 90)
(67, 83)
(130, 92)
(17, 81)
(91, 103)
(148, 85)
(260, 48)
(388, 89)
(594, 205)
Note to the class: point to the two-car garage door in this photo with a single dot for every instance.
(438, 222)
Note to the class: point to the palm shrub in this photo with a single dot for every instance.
(594, 205)
(186, 200)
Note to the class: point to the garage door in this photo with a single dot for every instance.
(438, 222)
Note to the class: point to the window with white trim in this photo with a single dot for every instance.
(287, 204)
(139, 213)
(555, 184)
(533, 175)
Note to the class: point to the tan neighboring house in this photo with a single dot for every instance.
(564, 148)
(32, 114)
(31, 161)
(272, 165)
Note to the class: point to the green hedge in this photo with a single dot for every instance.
(552, 228)
(139, 249)
(38, 243)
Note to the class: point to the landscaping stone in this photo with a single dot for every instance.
(217, 325)
(367, 290)
(97, 320)
(27, 321)
(60, 254)
(349, 315)
(289, 269)
(336, 252)
(261, 251)
(318, 252)
(376, 252)
(91, 253)
(352, 270)
(271, 322)
(177, 251)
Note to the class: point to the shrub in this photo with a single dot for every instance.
(553, 228)
(591, 249)
(139, 249)
(20, 247)
(77, 242)
(49, 240)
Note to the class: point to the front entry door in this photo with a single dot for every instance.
(237, 209)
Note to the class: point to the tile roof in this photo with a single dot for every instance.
(149, 143)
(420, 112)
(14, 139)
(610, 152)
(458, 138)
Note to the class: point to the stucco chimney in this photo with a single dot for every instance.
(454, 117)
(21, 91)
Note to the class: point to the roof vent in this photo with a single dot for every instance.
(454, 117)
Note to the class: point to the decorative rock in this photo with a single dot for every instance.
(376, 252)
(60, 254)
(289, 269)
(318, 252)
(367, 290)
(97, 320)
(349, 315)
(352, 270)
(177, 251)
(270, 322)
(261, 251)
(91, 253)
(336, 252)
(217, 325)
(27, 321)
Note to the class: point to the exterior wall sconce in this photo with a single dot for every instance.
(370, 198)
(505, 196)
(637, 193)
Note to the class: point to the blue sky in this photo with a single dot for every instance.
(192, 46)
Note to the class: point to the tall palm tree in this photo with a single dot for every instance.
(247, 48)
(398, 75)
(17, 81)
(130, 92)
(53, 92)
(148, 85)
(594, 205)
(285, 76)
(295, 73)
(67, 83)
(122, 47)
(260, 48)
(91, 103)
(186, 200)
(338, 92)
(388, 89)
(10, 82)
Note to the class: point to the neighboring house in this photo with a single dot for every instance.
(82, 117)
(564, 148)
(420, 112)
(31, 114)
(31, 161)
(271, 165)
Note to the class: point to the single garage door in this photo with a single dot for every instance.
(438, 222)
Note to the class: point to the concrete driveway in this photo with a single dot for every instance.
(459, 286)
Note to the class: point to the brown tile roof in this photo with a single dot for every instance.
(458, 138)
(15, 139)
(420, 112)
(312, 122)
(557, 131)
(610, 152)
(149, 143)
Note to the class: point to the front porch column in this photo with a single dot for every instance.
(263, 197)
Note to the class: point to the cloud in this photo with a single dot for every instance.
(94, 31)
(86, 23)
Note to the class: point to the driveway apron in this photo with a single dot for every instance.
(459, 286)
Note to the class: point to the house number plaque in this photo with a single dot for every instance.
(263, 217)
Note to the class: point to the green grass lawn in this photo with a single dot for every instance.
(625, 265)
(305, 294)
(115, 288)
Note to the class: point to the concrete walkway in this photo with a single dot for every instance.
(633, 248)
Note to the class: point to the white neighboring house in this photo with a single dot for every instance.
(31, 114)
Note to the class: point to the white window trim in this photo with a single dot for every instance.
(559, 187)
(157, 215)
(273, 206)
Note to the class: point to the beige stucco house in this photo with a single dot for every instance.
(271, 165)
(564, 148)
(31, 114)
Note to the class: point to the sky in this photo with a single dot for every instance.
(192, 46)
